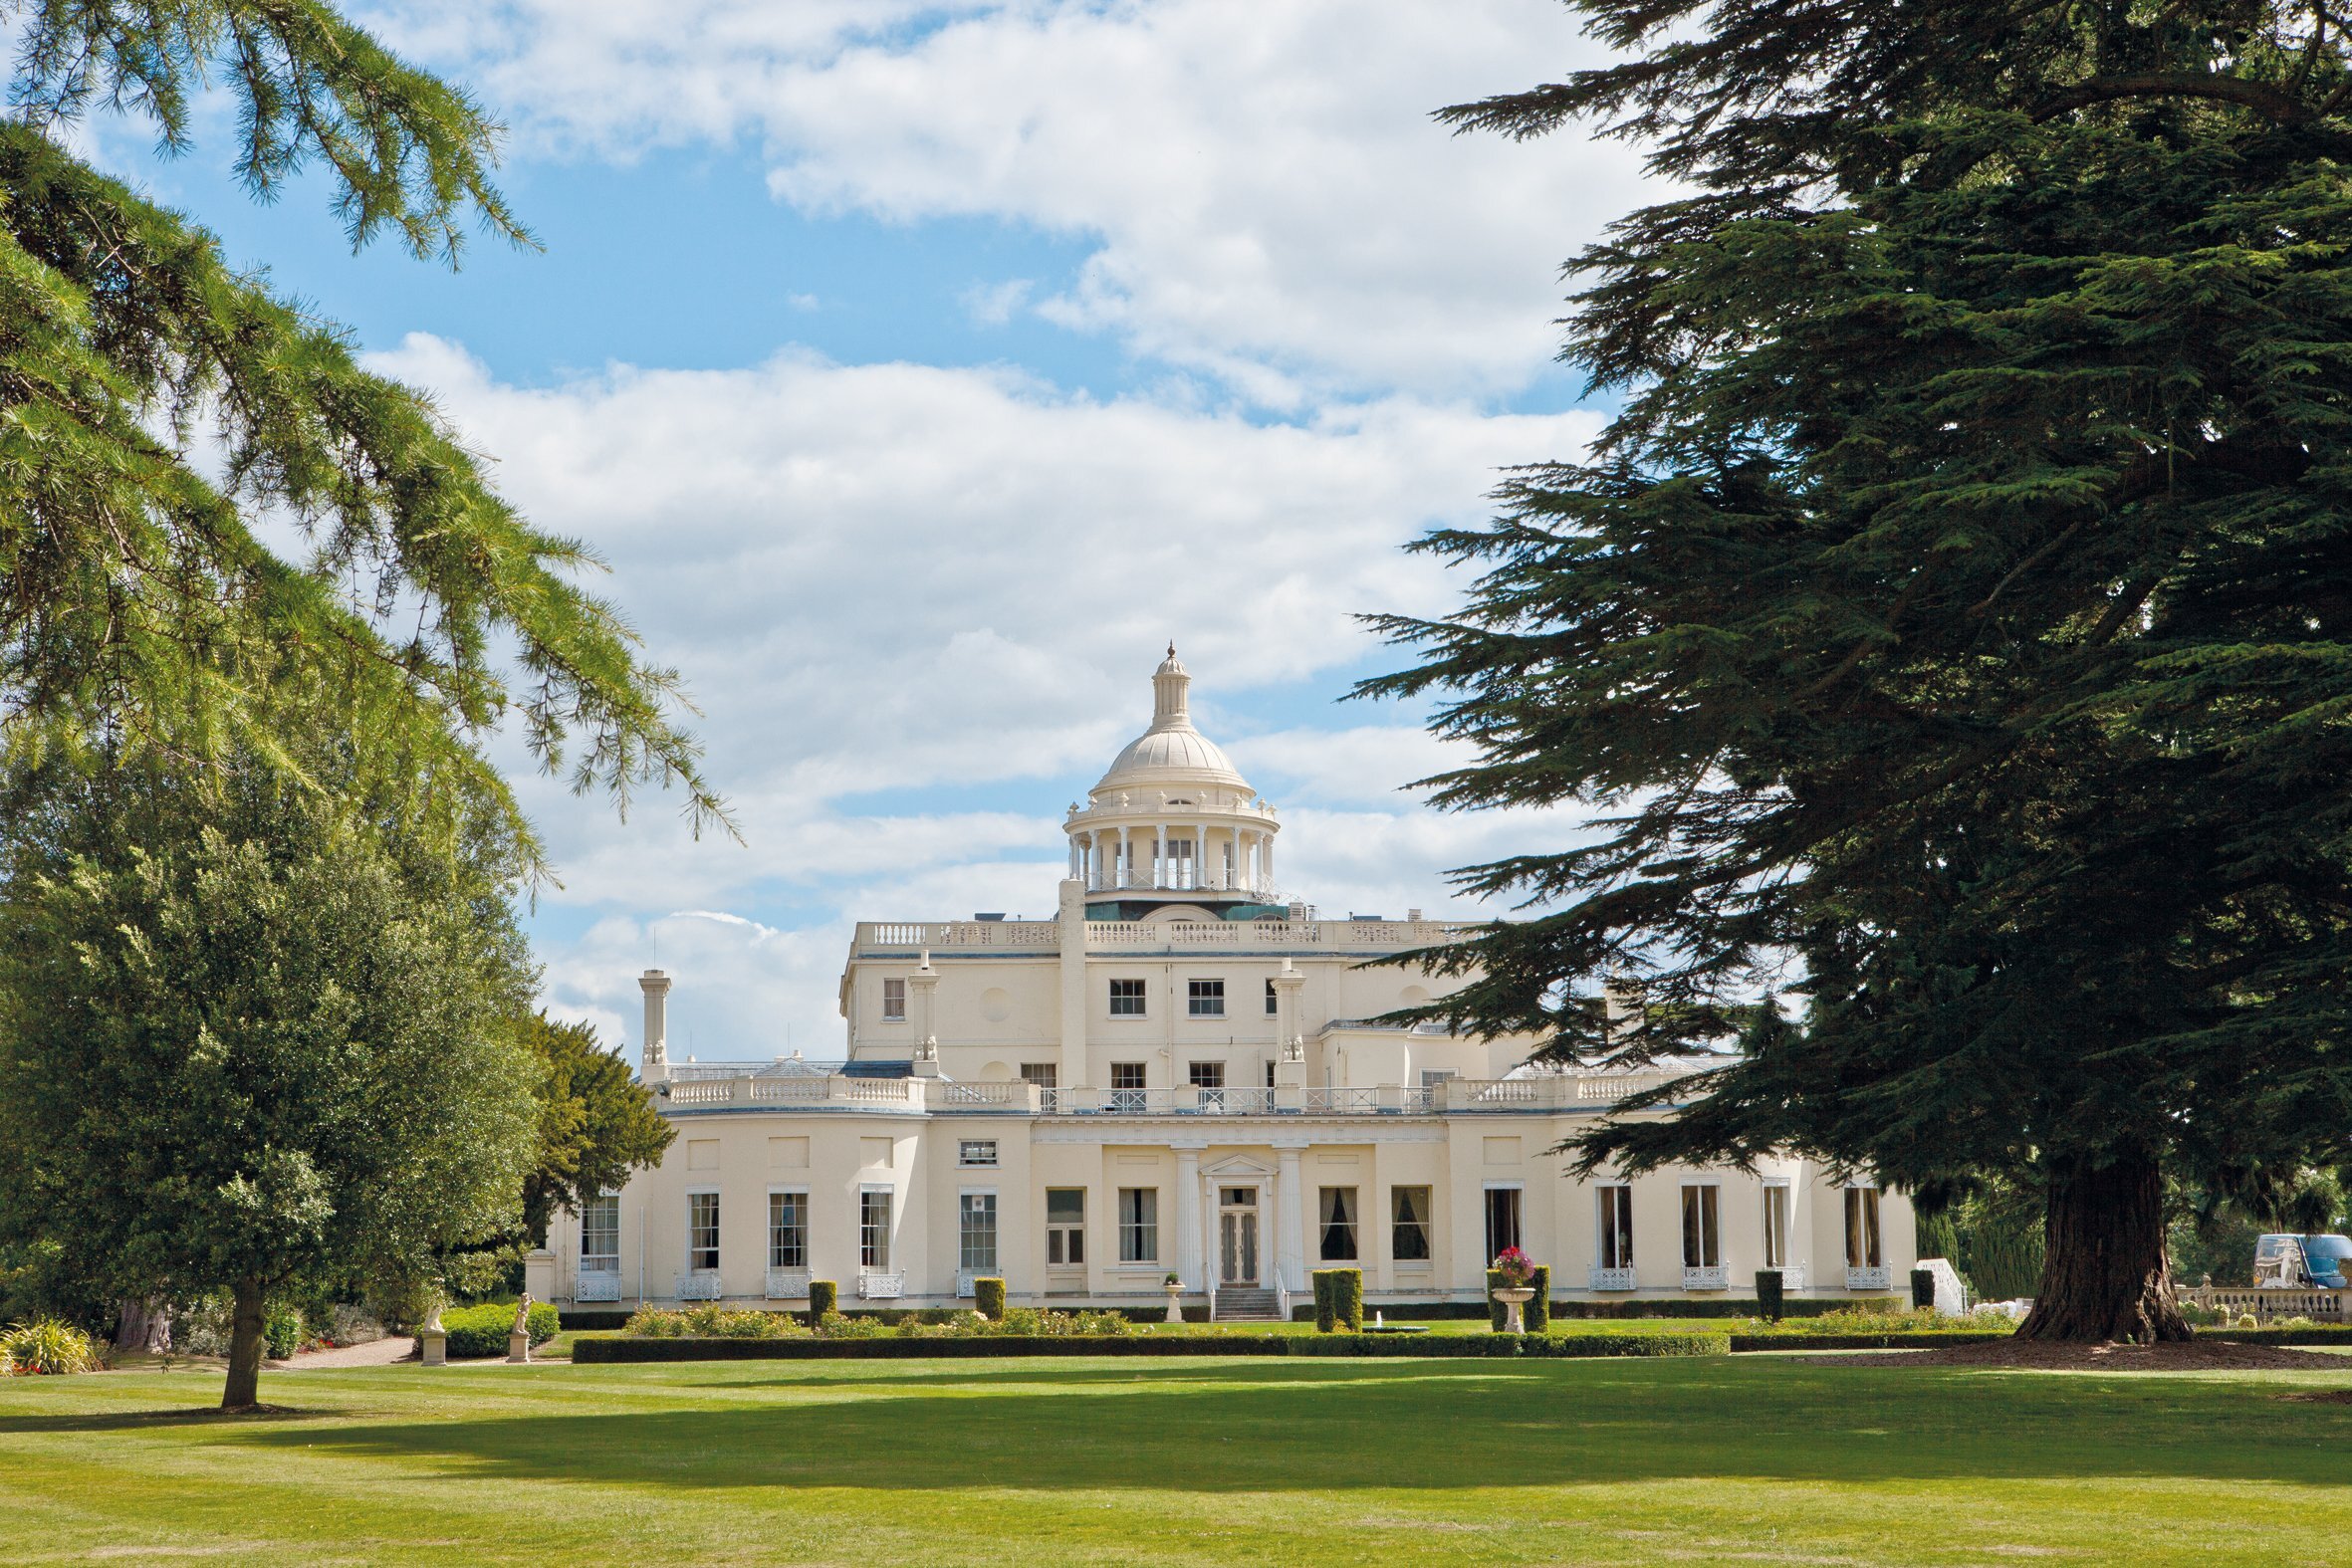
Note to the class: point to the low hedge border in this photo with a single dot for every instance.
(1539, 1346)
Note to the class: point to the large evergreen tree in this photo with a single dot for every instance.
(1956, 622)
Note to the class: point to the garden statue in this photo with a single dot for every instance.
(518, 1339)
(433, 1341)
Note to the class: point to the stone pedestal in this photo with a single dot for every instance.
(432, 1347)
(1175, 1295)
(1514, 1318)
(518, 1348)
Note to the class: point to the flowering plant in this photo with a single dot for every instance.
(1517, 1268)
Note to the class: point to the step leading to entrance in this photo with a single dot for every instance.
(1246, 1305)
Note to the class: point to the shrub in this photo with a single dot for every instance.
(824, 1297)
(1326, 1316)
(1347, 1298)
(478, 1331)
(988, 1298)
(1772, 1294)
(280, 1332)
(1922, 1289)
(45, 1347)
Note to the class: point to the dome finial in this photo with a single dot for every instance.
(1171, 647)
(1168, 684)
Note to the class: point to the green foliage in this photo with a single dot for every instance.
(282, 1332)
(46, 1346)
(1326, 1315)
(483, 1330)
(246, 1044)
(1953, 613)
(988, 1297)
(163, 403)
(822, 1295)
(596, 1124)
(885, 1344)
(1771, 1294)
(712, 1321)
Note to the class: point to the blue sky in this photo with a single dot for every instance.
(922, 370)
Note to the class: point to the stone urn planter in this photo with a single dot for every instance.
(1514, 1320)
(1175, 1296)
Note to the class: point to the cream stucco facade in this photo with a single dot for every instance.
(1180, 1074)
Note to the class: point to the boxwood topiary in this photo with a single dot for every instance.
(1326, 1315)
(824, 1296)
(1347, 1299)
(987, 1299)
(1769, 1294)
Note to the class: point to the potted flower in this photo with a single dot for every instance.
(1175, 1287)
(1516, 1272)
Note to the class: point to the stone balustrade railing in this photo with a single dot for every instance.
(920, 1095)
(2322, 1306)
(1147, 936)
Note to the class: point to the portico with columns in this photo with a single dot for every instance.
(1181, 1071)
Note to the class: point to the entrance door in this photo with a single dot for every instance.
(1236, 1236)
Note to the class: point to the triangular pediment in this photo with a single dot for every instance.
(1237, 1165)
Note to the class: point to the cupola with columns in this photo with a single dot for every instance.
(1173, 819)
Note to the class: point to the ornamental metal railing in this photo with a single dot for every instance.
(788, 1285)
(1868, 1279)
(1612, 1279)
(1706, 1276)
(700, 1285)
(597, 1284)
(880, 1287)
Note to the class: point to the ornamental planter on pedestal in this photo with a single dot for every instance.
(1175, 1293)
(1514, 1301)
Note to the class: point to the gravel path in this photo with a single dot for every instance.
(375, 1353)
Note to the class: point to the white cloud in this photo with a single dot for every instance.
(1269, 199)
(949, 586)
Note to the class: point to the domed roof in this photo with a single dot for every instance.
(1172, 752)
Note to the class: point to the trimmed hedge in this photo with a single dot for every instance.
(824, 1296)
(479, 1331)
(1338, 1301)
(592, 1322)
(987, 1299)
(1537, 1314)
(1543, 1346)
(1898, 1339)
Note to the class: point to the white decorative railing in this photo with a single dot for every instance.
(1706, 1277)
(882, 1287)
(788, 1285)
(1486, 1093)
(966, 1281)
(1281, 1296)
(1868, 1279)
(958, 934)
(1792, 1276)
(1612, 1279)
(2326, 1307)
(1608, 1090)
(1113, 935)
(599, 1285)
(700, 1285)
(1342, 1100)
(1003, 1096)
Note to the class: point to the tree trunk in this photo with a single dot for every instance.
(144, 1325)
(245, 1327)
(2104, 1274)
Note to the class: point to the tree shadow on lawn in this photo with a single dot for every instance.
(1226, 1430)
(161, 1419)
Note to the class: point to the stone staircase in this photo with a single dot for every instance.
(1245, 1304)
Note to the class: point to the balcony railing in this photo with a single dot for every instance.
(1708, 1276)
(597, 1284)
(1868, 1279)
(788, 1285)
(880, 1287)
(1150, 935)
(749, 1088)
(700, 1285)
(1612, 1279)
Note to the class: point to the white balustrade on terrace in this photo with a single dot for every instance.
(2325, 1306)
(1868, 1279)
(701, 1285)
(788, 1285)
(1612, 1279)
(880, 1287)
(1150, 935)
(597, 1284)
(1711, 1277)
(751, 1089)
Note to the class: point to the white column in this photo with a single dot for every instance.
(1200, 855)
(1290, 1223)
(1267, 855)
(1188, 1222)
(1075, 865)
(1126, 865)
(1160, 855)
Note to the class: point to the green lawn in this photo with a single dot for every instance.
(1220, 1462)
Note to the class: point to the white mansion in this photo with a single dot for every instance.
(1181, 1072)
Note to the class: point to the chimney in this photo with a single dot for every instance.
(655, 1062)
